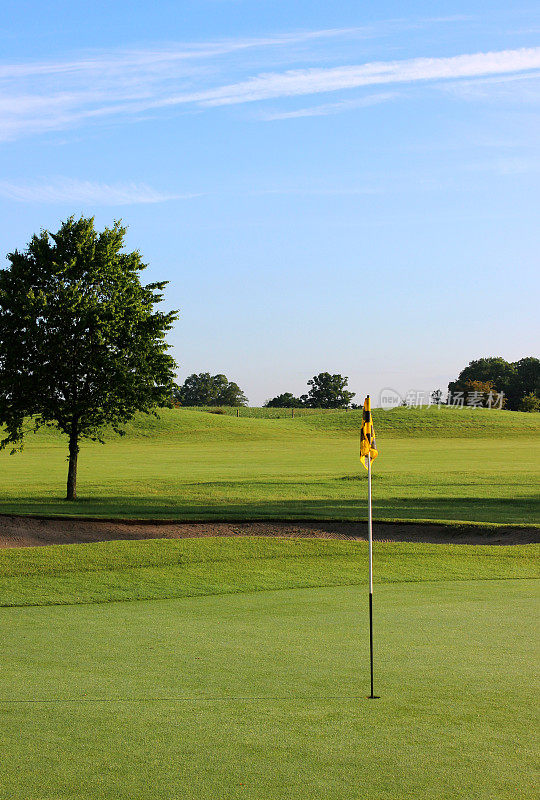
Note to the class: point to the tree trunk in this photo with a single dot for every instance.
(72, 469)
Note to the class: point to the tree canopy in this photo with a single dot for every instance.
(531, 402)
(209, 390)
(81, 343)
(285, 400)
(328, 391)
(515, 379)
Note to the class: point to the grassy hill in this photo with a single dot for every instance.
(267, 423)
(437, 464)
(395, 423)
(431, 422)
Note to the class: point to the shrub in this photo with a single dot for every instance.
(531, 402)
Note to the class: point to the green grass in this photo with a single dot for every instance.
(112, 571)
(236, 668)
(437, 464)
(262, 413)
(201, 423)
(255, 689)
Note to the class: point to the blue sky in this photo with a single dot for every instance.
(350, 187)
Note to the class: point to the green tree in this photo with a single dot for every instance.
(81, 344)
(482, 394)
(531, 402)
(285, 400)
(209, 390)
(328, 391)
(494, 369)
(515, 379)
(437, 397)
(526, 381)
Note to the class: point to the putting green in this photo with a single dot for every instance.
(261, 696)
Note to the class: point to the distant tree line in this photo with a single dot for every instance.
(203, 389)
(519, 381)
(486, 382)
(326, 391)
(209, 390)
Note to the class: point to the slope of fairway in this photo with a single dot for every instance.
(430, 422)
(111, 571)
(262, 696)
(194, 424)
(435, 464)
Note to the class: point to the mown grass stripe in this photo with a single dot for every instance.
(160, 569)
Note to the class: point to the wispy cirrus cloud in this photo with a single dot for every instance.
(519, 88)
(315, 81)
(125, 85)
(87, 193)
(160, 58)
(331, 108)
(517, 165)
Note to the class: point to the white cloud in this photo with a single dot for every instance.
(68, 190)
(314, 81)
(518, 165)
(161, 57)
(49, 96)
(331, 108)
(520, 88)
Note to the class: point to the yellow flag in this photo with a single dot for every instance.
(368, 445)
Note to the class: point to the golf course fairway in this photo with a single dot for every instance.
(445, 464)
(220, 668)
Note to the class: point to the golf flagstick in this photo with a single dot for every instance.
(370, 539)
(368, 452)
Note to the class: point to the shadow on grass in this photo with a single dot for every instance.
(524, 510)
